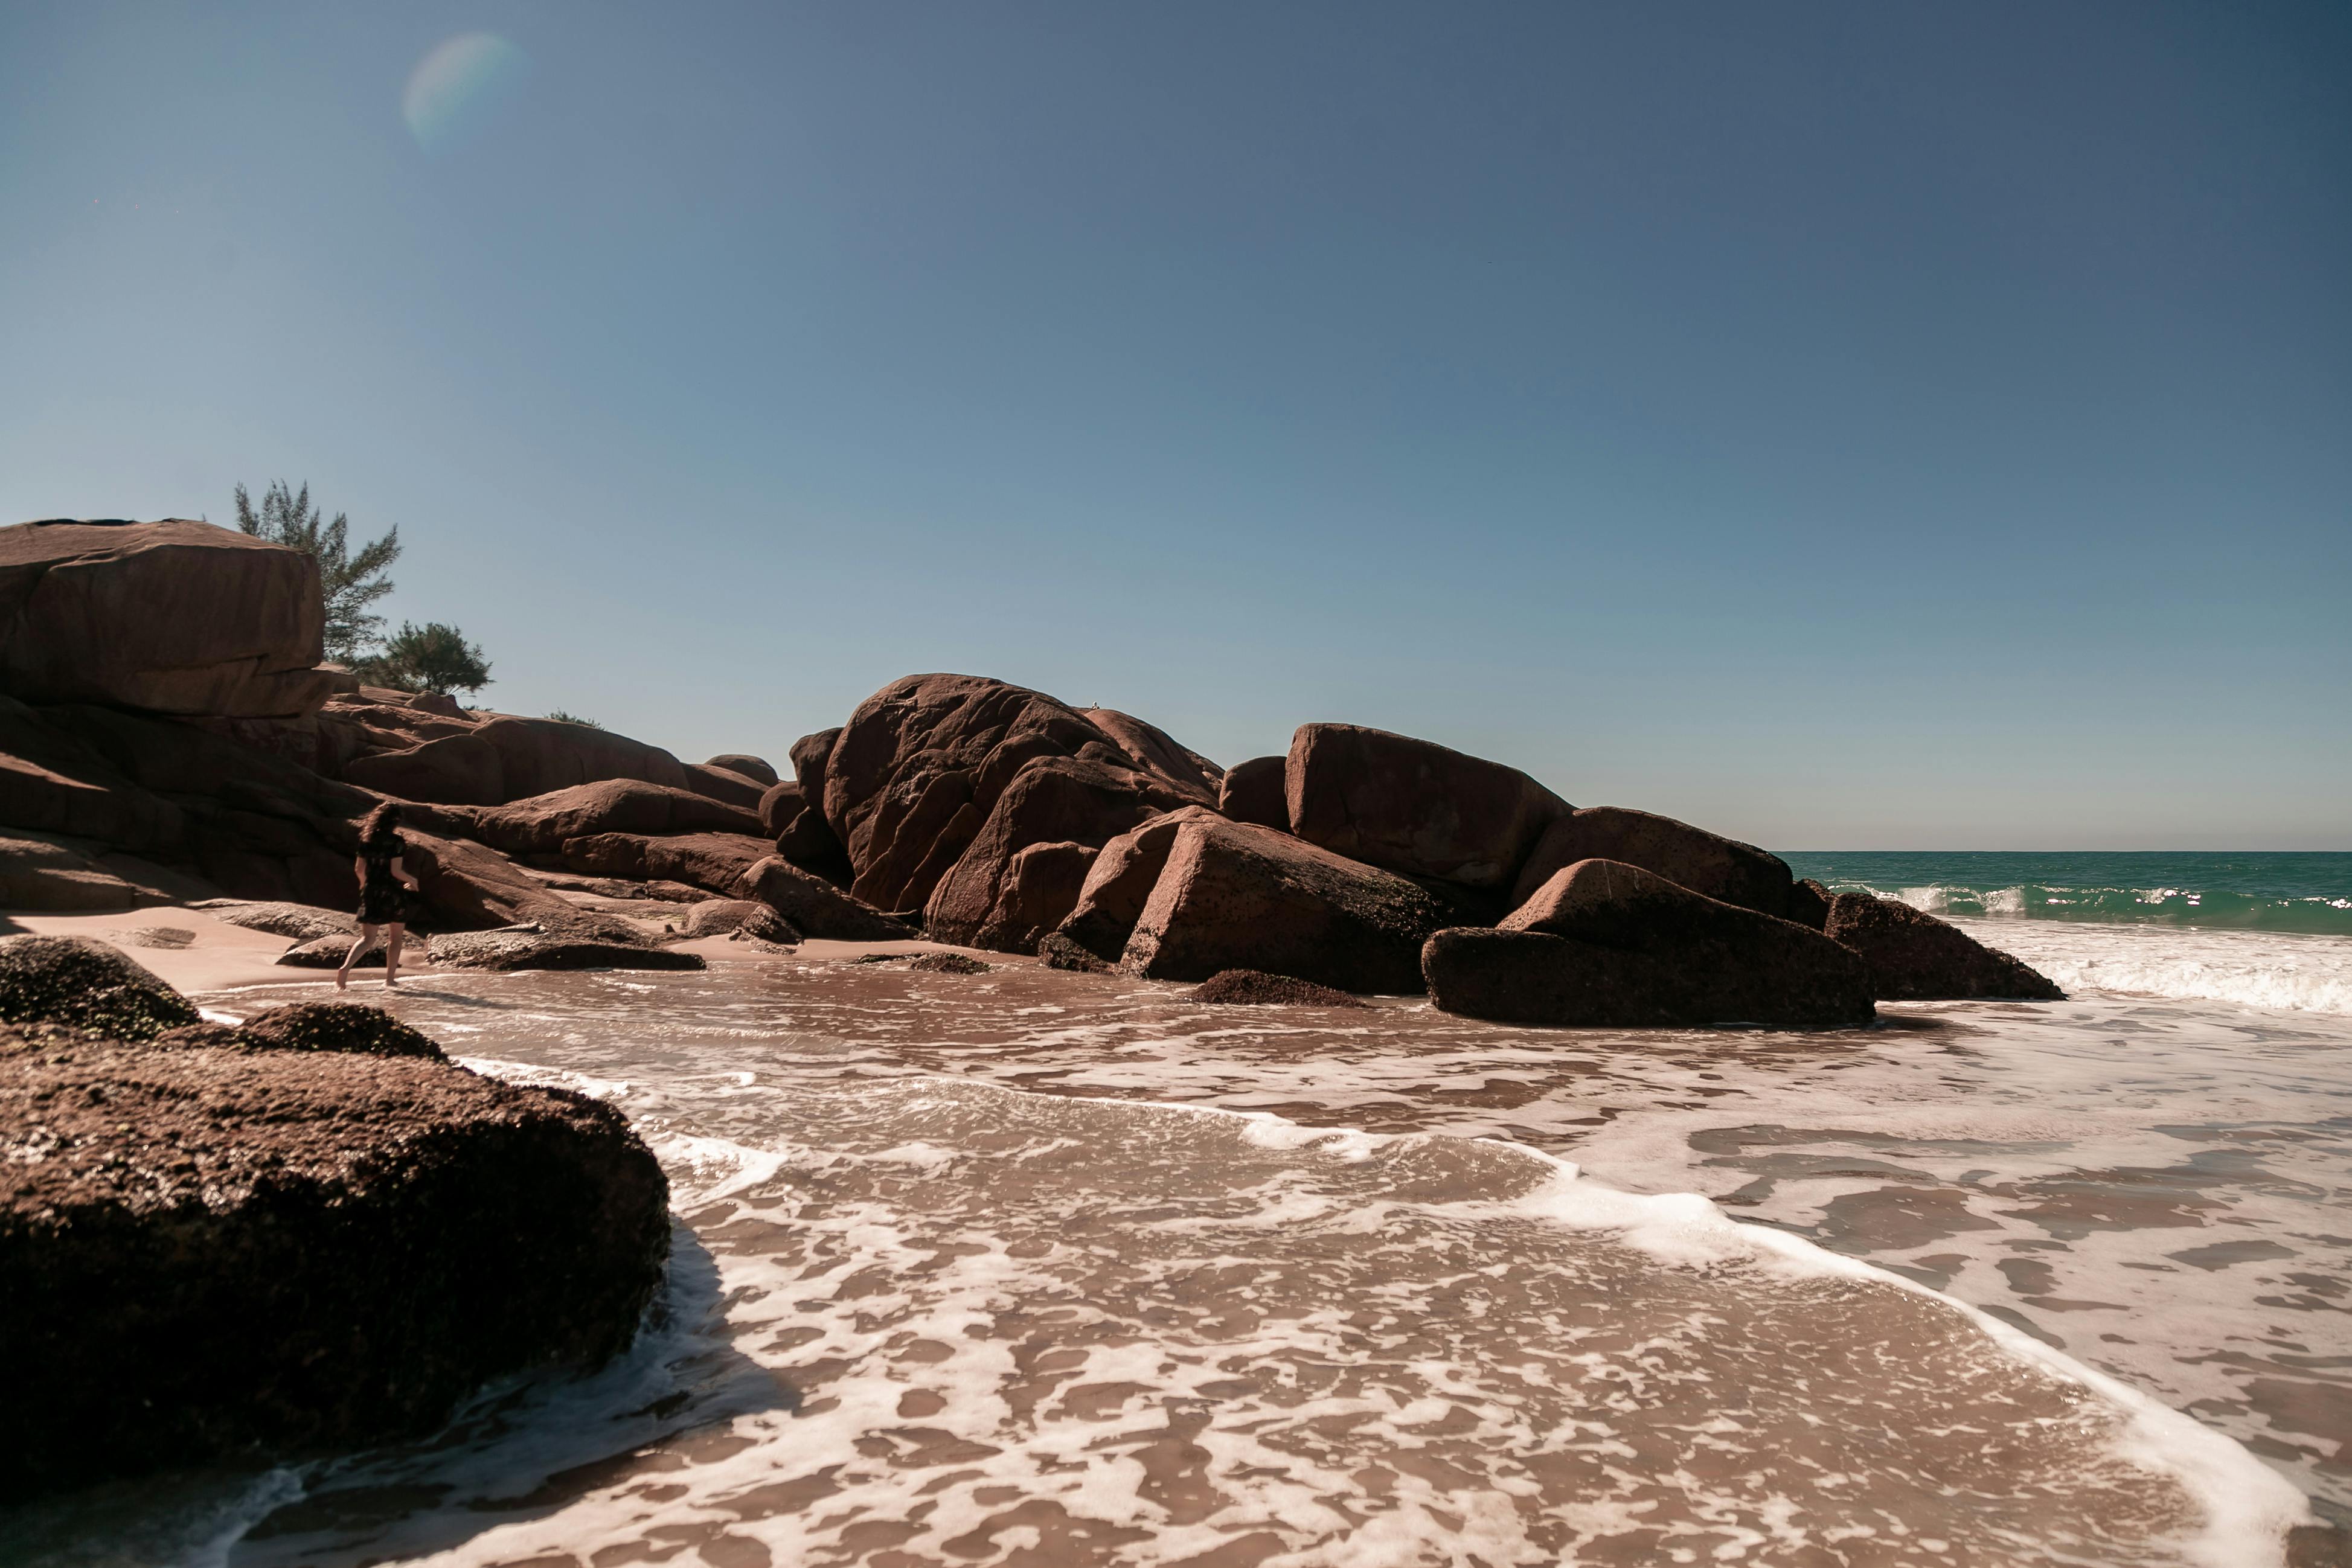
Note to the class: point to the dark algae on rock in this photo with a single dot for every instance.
(85, 985)
(311, 1234)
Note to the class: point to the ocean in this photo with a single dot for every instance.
(1030, 1268)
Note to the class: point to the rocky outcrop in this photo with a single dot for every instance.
(715, 861)
(744, 765)
(506, 759)
(1608, 945)
(814, 906)
(725, 917)
(1057, 951)
(329, 953)
(230, 1257)
(913, 776)
(467, 886)
(541, 824)
(1723, 869)
(539, 950)
(172, 617)
(1808, 904)
(947, 963)
(1234, 896)
(1912, 956)
(296, 922)
(1053, 800)
(1412, 806)
(1119, 883)
(84, 985)
(39, 873)
(1248, 987)
(1036, 892)
(779, 805)
(347, 1027)
(1253, 791)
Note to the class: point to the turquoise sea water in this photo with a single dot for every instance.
(2305, 893)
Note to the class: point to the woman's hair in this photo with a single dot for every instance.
(382, 824)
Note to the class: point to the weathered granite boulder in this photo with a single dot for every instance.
(1808, 904)
(724, 916)
(543, 950)
(912, 780)
(40, 872)
(744, 764)
(1723, 869)
(85, 985)
(1057, 951)
(1051, 800)
(947, 963)
(1235, 896)
(814, 906)
(540, 824)
(1119, 883)
(716, 861)
(1248, 987)
(296, 922)
(347, 1026)
(465, 886)
(174, 617)
(51, 781)
(737, 790)
(1912, 956)
(809, 756)
(1253, 791)
(1604, 944)
(780, 804)
(229, 1257)
(329, 953)
(1036, 892)
(508, 759)
(1412, 806)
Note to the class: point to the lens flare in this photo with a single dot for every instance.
(457, 88)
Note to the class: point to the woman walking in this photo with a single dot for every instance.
(384, 887)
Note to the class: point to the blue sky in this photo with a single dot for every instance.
(1841, 426)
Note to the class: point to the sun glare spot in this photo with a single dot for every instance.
(457, 88)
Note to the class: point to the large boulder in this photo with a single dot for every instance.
(714, 862)
(57, 782)
(541, 824)
(814, 906)
(467, 887)
(779, 803)
(727, 916)
(1053, 800)
(744, 765)
(1248, 987)
(80, 984)
(1253, 791)
(912, 780)
(1913, 956)
(533, 950)
(172, 617)
(1119, 883)
(231, 1257)
(1721, 868)
(347, 1027)
(1236, 896)
(39, 873)
(506, 759)
(295, 922)
(1808, 904)
(1036, 892)
(1608, 945)
(1414, 806)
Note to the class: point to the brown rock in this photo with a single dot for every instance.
(39, 873)
(815, 907)
(1253, 791)
(1248, 987)
(1058, 952)
(718, 916)
(778, 804)
(502, 950)
(172, 617)
(1808, 904)
(1721, 868)
(1119, 884)
(508, 759)
(231, 1256)
(1036, 892)
(1053, 800)
(470, 887)
(329, 953)
(541, 824)
(912, 780)
(736, 789)
(1912, 956)
(1604, 944)
(336, 1025)
(744, 765)
(717, 861)
(296, 922)
(1234, 896)
(85, 985)
(809, 755)
(1412, 806)
(947, 963)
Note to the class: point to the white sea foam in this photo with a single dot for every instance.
(2272, 971)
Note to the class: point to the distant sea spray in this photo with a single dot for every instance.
(2309, 893)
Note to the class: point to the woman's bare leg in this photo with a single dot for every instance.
(367, 939)
(392, 935)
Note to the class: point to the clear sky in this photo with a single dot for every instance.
(1843, 425)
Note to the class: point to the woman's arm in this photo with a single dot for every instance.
(359, 868)
(400, 870)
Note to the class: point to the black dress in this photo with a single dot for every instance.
(383, 900)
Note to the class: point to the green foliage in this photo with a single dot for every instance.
(349, 583)
(428, 658)
(574, 718)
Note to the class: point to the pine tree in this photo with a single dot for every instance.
(428, 658)
(349, 583)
